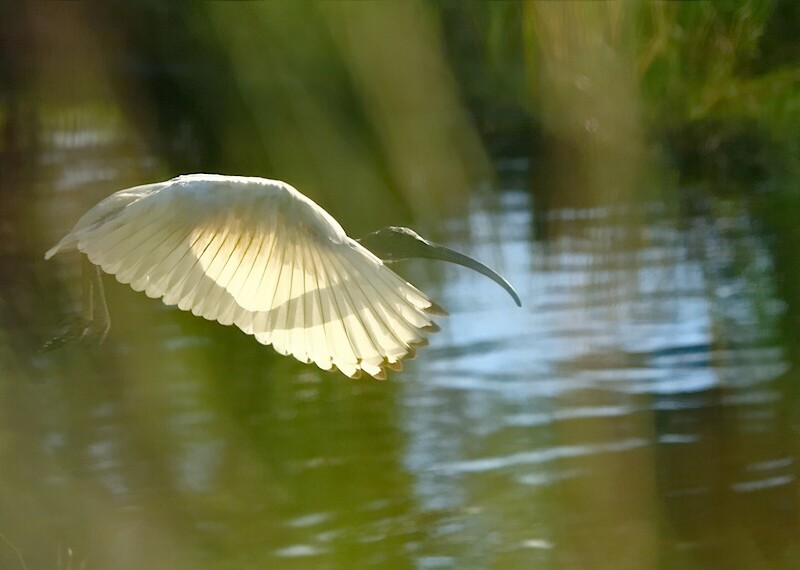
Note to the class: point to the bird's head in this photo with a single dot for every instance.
(394, 243)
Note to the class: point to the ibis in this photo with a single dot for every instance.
(258, 254)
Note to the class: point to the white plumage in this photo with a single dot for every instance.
(258, 254)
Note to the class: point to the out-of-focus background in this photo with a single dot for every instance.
(633, 168)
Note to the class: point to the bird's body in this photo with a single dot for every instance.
(260, 255)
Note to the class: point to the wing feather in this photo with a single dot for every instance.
(383, 338)
(209, 264)
(402, 297)
(139, 261)
(246, 228)
(184, 295)
(108, 250)
(316, 338)
(221, 294)
(295, 316)
(209, 289)
(359, 321)
(314, 332)
(104, 236)
(163, 276)
(282, 304)
(388, 304)
(289, 305)
(238, 314)
(342, 354)
(360, 343)
(173, 276)
(268, 289)
(229, 310)
(259, 255)
(254, 288)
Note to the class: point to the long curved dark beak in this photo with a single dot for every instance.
(436, 251)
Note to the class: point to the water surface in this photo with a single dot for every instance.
(638, 411)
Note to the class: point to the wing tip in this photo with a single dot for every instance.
(55, 249)
(379, 371)
(436, 310)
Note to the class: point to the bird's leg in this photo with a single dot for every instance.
(95, 309)
(93, 322)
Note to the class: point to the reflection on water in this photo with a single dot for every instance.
(634, 413)
(638, 381)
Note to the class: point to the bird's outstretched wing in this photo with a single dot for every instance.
(260, 255)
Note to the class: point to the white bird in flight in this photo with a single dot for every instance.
(258, 254)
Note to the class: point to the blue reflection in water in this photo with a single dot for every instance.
(618, 344)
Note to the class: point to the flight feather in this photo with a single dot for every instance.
(258, 254)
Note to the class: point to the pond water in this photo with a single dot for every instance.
(639, 411)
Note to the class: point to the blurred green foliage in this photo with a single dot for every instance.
(240, 87)
(704, 71)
